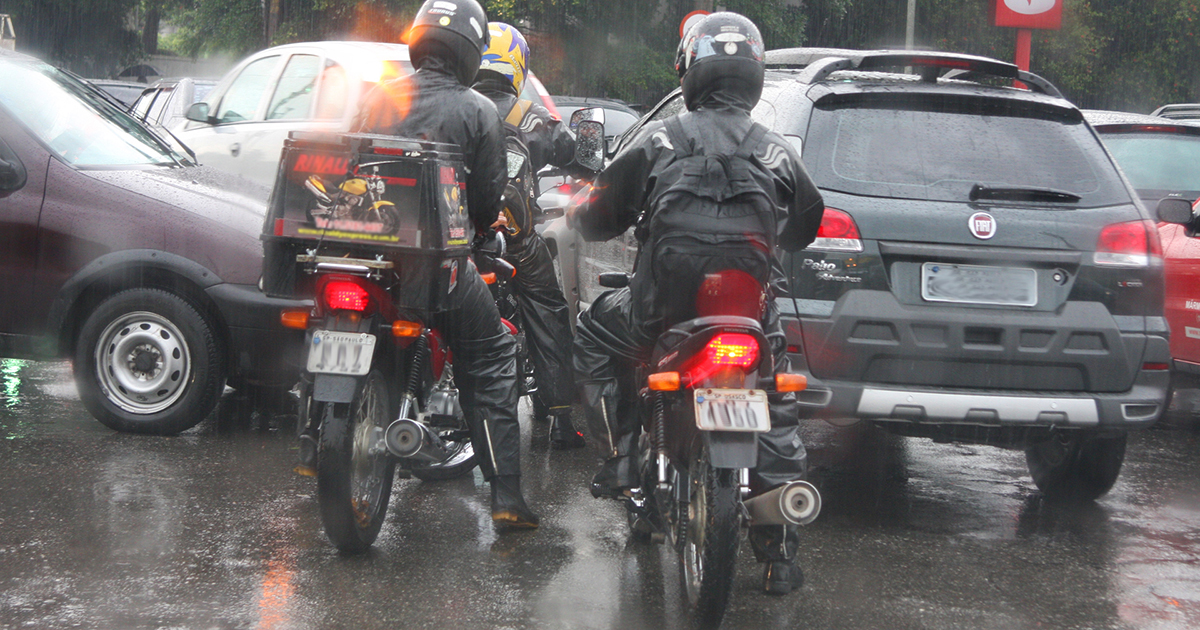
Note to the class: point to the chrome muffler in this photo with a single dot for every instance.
(409, 439)
(793, 503)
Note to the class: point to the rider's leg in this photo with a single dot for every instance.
(598, 373)
(486, 375)
(781, 458)
(545, 319)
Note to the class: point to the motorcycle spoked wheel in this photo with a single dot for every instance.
(709, 540)
(354, 470)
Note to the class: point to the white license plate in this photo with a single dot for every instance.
(732, 410)
(976, 284)
(340, 352)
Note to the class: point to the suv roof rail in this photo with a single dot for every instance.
(929, 64)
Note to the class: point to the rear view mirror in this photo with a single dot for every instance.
(12, 172)
(197, 112)
(594, 114)
(1174, 210)
(590, 145)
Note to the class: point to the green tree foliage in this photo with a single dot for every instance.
(89, 37)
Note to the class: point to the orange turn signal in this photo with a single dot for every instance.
(401, 328)
(297, 319)
(664, 381)
(790, 382)
(489, 278)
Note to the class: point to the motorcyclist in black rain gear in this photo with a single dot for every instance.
(435, 103)
(543, 139)
(682, 236)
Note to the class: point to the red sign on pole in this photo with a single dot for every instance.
(1045, 14)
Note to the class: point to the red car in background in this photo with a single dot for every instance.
(1161, 158)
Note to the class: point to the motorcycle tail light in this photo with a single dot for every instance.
(727, 356)
(347, 296)
(1128, 244)
(838, 233)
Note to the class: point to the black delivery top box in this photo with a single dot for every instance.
(372, 191)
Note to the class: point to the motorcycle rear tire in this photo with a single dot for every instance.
(710, 543)
(354, 483)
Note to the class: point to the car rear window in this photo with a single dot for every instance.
(933, 149)
(1157, 161)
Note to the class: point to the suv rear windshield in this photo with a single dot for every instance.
(937, 150)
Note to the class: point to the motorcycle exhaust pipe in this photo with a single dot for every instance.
(793, 503)
(409, 439)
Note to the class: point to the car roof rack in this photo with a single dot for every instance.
(928, 64)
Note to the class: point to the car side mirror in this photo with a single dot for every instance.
(1174, 210)
(12, 175)
(198, 112)
(590, 145)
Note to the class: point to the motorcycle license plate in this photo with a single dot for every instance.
(732, 410)
(340, 353)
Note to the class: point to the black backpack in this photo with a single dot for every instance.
(520, 196)
(708, 213)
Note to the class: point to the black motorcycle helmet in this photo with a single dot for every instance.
(722, 53)
(454, 29)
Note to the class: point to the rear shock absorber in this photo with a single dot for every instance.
(413, 380)
(658, 420)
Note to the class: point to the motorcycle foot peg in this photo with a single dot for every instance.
(793, 503)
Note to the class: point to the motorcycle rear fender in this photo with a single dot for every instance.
(732, 449)
(334, 388)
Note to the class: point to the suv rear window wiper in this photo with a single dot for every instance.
(1004, 193)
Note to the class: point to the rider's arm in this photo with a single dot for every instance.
(619, 191)
(550, 142)
(804, 204)
(489, 172)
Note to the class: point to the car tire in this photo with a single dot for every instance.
(147, 361)
(1076, 465)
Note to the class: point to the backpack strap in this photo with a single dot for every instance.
(746, 149)
(678, 139)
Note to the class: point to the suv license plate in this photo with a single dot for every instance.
(975, 284)
(732, 410)
(340, 353)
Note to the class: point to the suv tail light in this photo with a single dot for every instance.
(1128, 244)
(838, 233)
(346, 296)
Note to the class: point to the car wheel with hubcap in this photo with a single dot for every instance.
(147, 361)
(1076, 465)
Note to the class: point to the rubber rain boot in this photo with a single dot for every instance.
(775, 546)
(509, 510)
(563, 434)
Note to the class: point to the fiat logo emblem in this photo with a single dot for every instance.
(983, 225)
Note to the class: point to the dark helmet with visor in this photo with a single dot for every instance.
(723, 52)
(452, 28)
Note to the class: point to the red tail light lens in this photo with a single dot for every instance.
(346, 296)
(1128, 244)
(731, 350)
(838, 233)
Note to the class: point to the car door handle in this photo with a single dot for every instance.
(235, 149)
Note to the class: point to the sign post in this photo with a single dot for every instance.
(1026, 15)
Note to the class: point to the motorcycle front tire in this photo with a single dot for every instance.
(354, 476)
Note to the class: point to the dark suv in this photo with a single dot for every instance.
(983, 272)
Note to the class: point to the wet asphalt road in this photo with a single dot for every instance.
(212, 529)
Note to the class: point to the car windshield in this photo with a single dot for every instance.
(1157, 161)
(76, 124)
(939, 151)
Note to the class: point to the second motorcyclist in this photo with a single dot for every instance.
(686, 230)
(544, 311)
(436, 103)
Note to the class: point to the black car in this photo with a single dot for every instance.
(983, 273)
